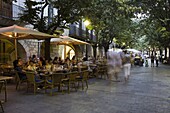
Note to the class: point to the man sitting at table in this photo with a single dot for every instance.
(15, 62)
(20, 71)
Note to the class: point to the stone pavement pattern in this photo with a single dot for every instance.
(147, 91)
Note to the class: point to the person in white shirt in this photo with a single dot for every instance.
(114, 64)
(126, 65)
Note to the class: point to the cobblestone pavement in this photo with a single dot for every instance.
(147, 91)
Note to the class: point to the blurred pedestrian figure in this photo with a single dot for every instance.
(146, 62)
(157, 60)
(152, 60)
(126, 65)
(114, 63)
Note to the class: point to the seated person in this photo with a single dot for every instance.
(32, 66)
(55, 61)
(60, 61)
(49, 65)
(20, 71)
(67, 64)
(73, 61)
(15, 63)
(85, 63)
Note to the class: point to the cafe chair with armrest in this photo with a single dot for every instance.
(33, 81)
(55, 81)
(105, 73)
(102, 71)
(71, 80)
(19, 80)
(83, 78)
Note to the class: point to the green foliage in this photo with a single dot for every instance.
(111, 19)
(32, 15)
(157, 12)
(65, 12)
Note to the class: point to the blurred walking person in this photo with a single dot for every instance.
(157, 60)
(126, 65)
(114, 63)
(152, 60)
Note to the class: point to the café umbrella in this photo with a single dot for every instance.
(133, 50)
(62, 40)
(17, 32)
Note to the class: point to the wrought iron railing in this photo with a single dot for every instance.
(80, 33)
(16, 11)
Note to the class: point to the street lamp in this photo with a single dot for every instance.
(114, 40)
(87, 22)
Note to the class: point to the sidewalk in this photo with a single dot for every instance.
(147, 91)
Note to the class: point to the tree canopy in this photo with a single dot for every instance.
(65, 12)
(110, 19)
(157, 21)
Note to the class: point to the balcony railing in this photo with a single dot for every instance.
(81, 34)
(7, 20)
(16, 11)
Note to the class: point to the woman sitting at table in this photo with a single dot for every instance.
(67, 64)
(41, 62)
(49, 65)
(55, 61)
(74, 61)
(60, 61)
(32, 66)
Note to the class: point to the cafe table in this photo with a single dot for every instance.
(45, 74)
(4, 79)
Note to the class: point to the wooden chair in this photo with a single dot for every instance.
(84, 67)
(19, 80)
(71, 80)
(1, 86)
(56, 80)
(32, 80)
(74, 69)
(83, 78)
(102, 71)
(105, 74)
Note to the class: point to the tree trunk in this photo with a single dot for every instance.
(47, 49)
(94, 50)
(105, 51)
(160, 50)
(165, 53)
(87, 37)
(95, 45)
